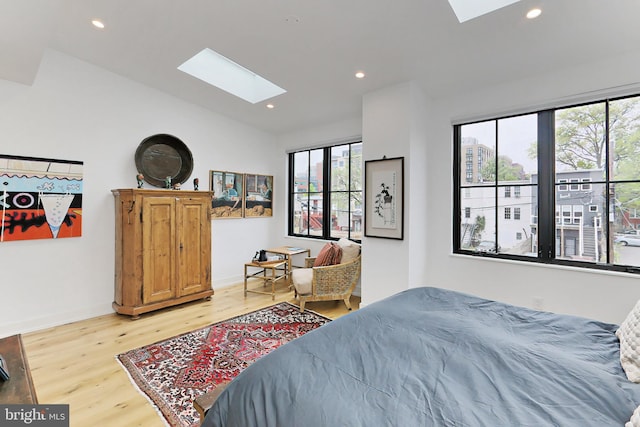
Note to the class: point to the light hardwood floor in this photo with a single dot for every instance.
(75, 363)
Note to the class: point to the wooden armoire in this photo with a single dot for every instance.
(163, 249)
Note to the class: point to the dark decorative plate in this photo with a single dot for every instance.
(162, 155)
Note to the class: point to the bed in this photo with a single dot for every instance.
(435, 357)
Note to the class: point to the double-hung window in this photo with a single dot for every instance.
(325, 192)
(574, 171)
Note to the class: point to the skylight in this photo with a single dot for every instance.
(469, 9)
(217, 70)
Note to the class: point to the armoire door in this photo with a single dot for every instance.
(158, 248)
(193, 233)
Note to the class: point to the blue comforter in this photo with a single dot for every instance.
(433, 357)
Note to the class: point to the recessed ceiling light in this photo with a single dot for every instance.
(271, 106)
(97, 23)
(221, 72)
(360, 75)
(534, 13)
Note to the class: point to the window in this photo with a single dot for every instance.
(503, 169)
(566, 215)
(577, 211)
(575, 171)
(574, 184)
(322, 180)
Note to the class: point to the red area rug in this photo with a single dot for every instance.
(172, 373)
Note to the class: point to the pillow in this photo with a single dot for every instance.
(330, 254)
(302, 279)
(635, 419)
(350, 250)
(629, 335)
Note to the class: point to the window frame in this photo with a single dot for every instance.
(326, 192)
(546, 217)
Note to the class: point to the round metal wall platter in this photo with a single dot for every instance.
(161, 156)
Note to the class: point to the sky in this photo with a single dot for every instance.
(516, 136)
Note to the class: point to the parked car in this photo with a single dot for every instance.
(487, 246)
(628, 239)
(632, 231)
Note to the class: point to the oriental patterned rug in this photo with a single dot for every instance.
(173, 372)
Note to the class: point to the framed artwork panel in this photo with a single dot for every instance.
(258, 196)
(228, 191)
(384, 198)
(40, 198)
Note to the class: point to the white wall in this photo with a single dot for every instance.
(418, 177)
(347, 130)
(399, 121)
(394, 123)
(76, 111)
(601, 295)
(79, 112)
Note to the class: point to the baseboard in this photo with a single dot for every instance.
(23, 326)
(225, 283)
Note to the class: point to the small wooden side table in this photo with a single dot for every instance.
(19, 388)
(288, 252)
(278, 271)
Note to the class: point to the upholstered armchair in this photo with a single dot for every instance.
(327, 283)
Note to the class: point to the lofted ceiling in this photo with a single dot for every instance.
(312, 48)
